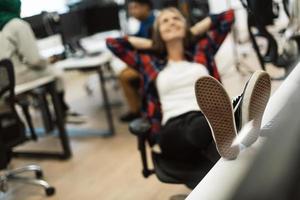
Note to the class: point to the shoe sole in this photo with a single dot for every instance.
(216, 106)
(255, 99)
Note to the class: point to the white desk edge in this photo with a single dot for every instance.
(225, 176)
(85, 62)
(24, 87)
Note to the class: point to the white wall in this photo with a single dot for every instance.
(33, 7)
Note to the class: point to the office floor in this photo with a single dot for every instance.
(107, 168)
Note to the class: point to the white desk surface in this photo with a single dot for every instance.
(226, 175)
(25, 87)
(50, 46)
(85, 62)
(97, 42)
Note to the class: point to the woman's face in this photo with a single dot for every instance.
(172, 26)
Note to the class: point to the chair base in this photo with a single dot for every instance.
(15, 176)
(179, 197)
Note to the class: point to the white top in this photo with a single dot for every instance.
(175, 85)
(18, 44)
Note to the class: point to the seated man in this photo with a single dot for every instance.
(129, 78)
(18, 44)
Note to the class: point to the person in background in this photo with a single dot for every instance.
(178, 61)
(129, 78)
(19, 44)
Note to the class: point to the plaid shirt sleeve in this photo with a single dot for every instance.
(210, 44)
(142, 62)
(221, 26)
(124, 50)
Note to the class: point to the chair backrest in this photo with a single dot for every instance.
(7, 80)
(12, 129)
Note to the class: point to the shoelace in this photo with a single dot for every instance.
(236, 101)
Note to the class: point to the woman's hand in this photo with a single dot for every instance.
(140, 43)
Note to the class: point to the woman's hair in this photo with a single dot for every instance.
(159, 45)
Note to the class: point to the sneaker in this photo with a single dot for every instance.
(252, 103)
(128, 117)
(74, 118)
(216, 106)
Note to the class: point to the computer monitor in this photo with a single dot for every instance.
(101, 18)
(37, 24)
(44, 24)
(72, 25)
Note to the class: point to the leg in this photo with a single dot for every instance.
(215, 104)
(185, 136)
(198, 131)
(199, 134)
(127, 77)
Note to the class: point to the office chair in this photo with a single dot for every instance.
(170, 171)
(12, 134)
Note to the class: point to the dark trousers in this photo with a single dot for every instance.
(185, 137)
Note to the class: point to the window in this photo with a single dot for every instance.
(33, 7)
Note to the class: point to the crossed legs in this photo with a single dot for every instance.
(216, 106)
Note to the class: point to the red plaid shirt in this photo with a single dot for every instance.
(149, 65)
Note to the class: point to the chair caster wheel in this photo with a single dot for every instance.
(50, 191)
(39, 174)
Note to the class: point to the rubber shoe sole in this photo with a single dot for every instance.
(255, 98)
(216, 106)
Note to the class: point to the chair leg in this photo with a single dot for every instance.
(38, 182)
(14, 175)
(29, 168)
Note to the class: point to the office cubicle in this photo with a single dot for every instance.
(79, 22)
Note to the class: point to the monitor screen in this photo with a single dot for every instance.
(37, 25)
(44, 24)
(101, 18)
(72, 26)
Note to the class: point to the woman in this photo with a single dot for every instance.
(178, 56)
(18, 44)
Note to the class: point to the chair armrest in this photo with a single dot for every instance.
(139, 127)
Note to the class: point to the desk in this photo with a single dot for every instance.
(95, 63)
(25, 87)
(48, 83)
(222, 180)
